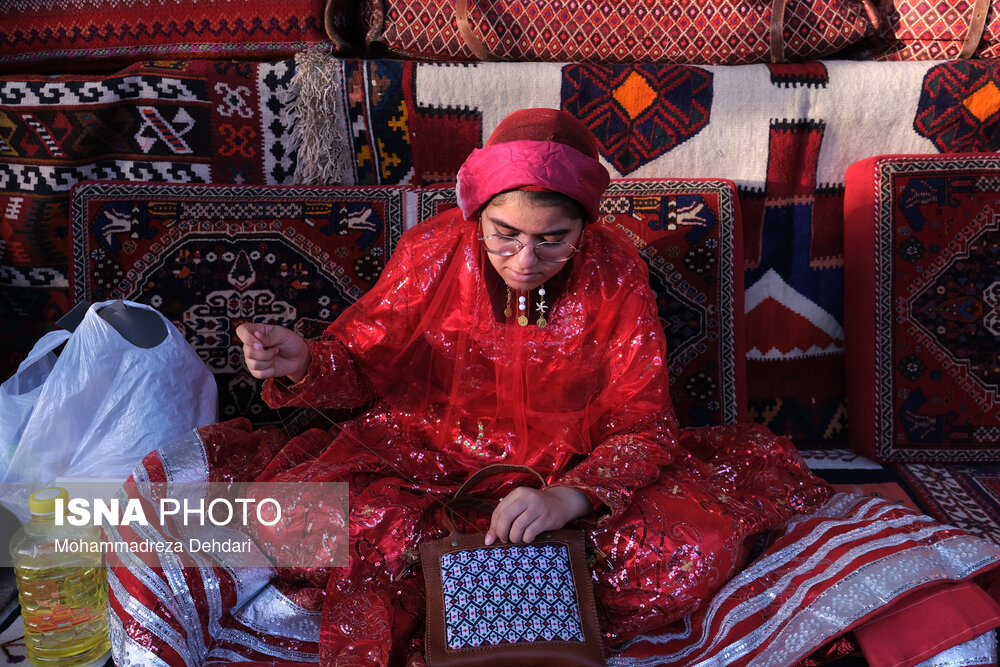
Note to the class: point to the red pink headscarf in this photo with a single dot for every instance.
(535, 148)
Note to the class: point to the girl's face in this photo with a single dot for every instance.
(529, 223)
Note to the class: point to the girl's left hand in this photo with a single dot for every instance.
(525, 512)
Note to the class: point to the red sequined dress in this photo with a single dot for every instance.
(457, 384)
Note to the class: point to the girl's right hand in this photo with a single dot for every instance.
(272, 351)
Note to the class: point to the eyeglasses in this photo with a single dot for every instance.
(547, 251)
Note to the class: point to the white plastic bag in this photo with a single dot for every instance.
(106, 403)
(19, 393)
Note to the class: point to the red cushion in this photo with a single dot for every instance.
(926, 622)
(720, 32)
(920, 30)
(922, 307)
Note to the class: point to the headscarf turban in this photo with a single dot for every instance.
(534, 148)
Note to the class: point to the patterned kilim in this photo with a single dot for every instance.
(967, 496)
(922, 242)
(958, 107)
(933, 30)
(784, 133)
(55, 33)
(636, 130)
(212, 257)
(688, 232)
(194, 122)
(722, 32)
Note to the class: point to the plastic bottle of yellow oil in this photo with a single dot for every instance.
(62, 586)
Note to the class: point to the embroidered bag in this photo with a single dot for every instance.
(503, 604)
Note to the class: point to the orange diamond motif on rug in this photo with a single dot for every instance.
(638, 112)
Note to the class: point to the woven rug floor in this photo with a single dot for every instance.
(967, 496)
(962, 495)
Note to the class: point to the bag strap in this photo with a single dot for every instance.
(448, 511)
(976, 27)
(493, 470)
(778, 30)
(475, 44)
(463, 497)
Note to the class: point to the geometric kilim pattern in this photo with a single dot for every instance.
(935, 309)
(688, 232)
(509, 594)
(56, 32)
(638, 112)
(811, 74)
(794, 279)
(721, 32)
(786, 134)
(967, 496)
(199, 121)
(212, 257)
(932, 30)
(958, 106)
(376, 113)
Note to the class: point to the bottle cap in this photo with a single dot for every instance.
(43, 501)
